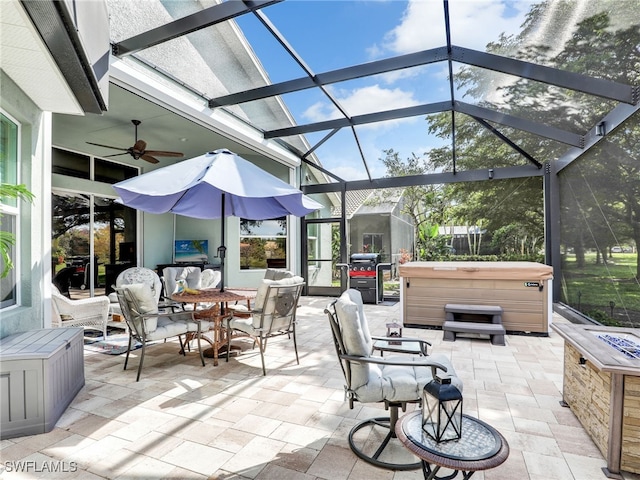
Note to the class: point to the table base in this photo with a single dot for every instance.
(222, 351)
(430, 474)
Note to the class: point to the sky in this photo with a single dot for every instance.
(333, 34)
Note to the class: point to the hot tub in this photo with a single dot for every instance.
(522, 289)
(601, 385)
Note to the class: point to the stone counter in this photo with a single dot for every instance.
(602, 387)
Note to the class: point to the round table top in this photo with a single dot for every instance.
(210, 295)
(247, 293)
(480, 448)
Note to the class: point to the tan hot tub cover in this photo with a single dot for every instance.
(478, 270)
(522, 289)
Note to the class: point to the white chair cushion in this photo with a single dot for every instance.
(259, 303)
(353, 324)
(144, 303)
(401, 383)
(140, 275)
(275, 274)
(192, 275)
(210, 278)
(205, 326)
(355, 335)
(166, 328)
(243, 324)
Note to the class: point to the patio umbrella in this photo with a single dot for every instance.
(217, 184)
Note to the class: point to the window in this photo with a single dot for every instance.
(9, 134)
(77, 165)
(111, 172)
(263, 243)
(372, 242)
(71, 164)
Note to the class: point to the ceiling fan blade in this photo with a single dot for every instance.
(149, 158)
(162, 153)
(139, 146)
(114, 155)
(107, 146)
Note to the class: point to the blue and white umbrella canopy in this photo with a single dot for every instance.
(199, 187)
(217, 184)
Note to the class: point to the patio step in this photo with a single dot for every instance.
(460, 319)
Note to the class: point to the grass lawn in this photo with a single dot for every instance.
(596, 286)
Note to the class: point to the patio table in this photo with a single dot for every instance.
(216, 314)
(480, 448)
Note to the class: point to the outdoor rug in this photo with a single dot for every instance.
(114, 344)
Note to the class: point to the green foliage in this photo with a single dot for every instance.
(430, 244)
(426, 205)
(513, 239)
(7, 239)
(593, 286)
(601, 317)
(538, 258)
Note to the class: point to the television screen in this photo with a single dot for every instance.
(191, 251)
(127, 252)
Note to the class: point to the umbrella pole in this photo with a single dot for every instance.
(222, 250)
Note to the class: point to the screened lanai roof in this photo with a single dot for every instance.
(342, 81)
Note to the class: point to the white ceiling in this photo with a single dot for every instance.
(160, 128)
(27, 61)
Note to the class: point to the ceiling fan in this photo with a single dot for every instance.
(139, 149)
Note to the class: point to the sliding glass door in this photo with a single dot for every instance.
(93, 239)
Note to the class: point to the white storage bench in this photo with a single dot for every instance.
(41, 371)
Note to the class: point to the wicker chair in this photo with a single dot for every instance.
(90, 313)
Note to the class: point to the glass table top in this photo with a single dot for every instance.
(479, 441)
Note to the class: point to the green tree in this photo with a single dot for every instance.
(595, 49)
(426, 205)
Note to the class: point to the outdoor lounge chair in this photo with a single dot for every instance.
(394, 381)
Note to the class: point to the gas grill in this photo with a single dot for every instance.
(365, 276)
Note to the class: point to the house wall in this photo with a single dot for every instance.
(35, 224)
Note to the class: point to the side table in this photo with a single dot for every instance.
(481, 447)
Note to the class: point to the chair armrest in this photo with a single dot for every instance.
(187, 314)
(167, 302)
(409, 363)
(83, 308)
(423, 343)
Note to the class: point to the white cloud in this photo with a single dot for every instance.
(350, 173)
(474, 23)
(360, 101)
